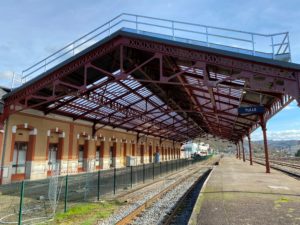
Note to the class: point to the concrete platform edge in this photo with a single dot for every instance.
(197, 207)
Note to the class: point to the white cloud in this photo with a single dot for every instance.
(289, 107)
(292, 105)
(6, 75)
(6, 78)
(278, 135)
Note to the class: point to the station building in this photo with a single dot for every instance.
(36, 146)
(126, 91)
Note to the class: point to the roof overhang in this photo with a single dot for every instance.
(161, 87)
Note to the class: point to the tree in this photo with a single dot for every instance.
(298, 153)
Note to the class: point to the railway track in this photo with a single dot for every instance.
(182, 190)
(291, 165)
(184, 207)
(285, 167)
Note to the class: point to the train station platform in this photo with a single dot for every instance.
(237, 193)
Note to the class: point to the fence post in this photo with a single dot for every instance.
(160, 169)
(143, 173)
(131, 176)
(98, 187)
(115, 174)
(167, 167)
(66, 193)
(21, 202)
(176, 164)
(152, 171)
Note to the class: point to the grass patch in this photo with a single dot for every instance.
(86, 213)
(282, 200)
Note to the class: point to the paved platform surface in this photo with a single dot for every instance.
(237, 193)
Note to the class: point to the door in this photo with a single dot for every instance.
(19, 160)
(80, 157)
(52, 159)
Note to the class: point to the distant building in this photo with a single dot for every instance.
(189, 149)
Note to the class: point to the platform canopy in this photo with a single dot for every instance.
(160, 86)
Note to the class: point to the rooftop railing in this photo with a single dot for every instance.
(272, 46)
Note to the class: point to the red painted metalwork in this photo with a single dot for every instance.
(250, 149)
(264, 130)
(160, 89)
(242, 141)
(239, 150)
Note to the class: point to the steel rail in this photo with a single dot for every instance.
(174, 212)
(296, 175)
(131, 216)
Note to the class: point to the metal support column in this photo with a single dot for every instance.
(264, 130)
(250, 149)
(242, 141)
(21, 203)
(239, 150)
(115, 177)
(98, 186)
(66, 193)
(131, 176)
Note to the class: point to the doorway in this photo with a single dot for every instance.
(52, 159)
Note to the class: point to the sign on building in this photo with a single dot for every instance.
(251, 110)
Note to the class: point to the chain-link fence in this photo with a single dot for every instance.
(30, 202)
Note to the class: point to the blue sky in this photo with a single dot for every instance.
(32, 29)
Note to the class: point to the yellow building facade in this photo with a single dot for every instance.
(35, 146)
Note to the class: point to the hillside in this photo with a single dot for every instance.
(282, 148)
(277, 148)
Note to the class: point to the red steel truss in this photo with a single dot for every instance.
(161, 88)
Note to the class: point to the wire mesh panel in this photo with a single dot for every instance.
(123, 178)
(9, 202)
(179, 165)
(167, 167)
(106, 182)
(78, 187)
(40, 199)
(91, 186)
(172, 167)
(156, 170)
(148, 172)
(163, 168)
(137, 174)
